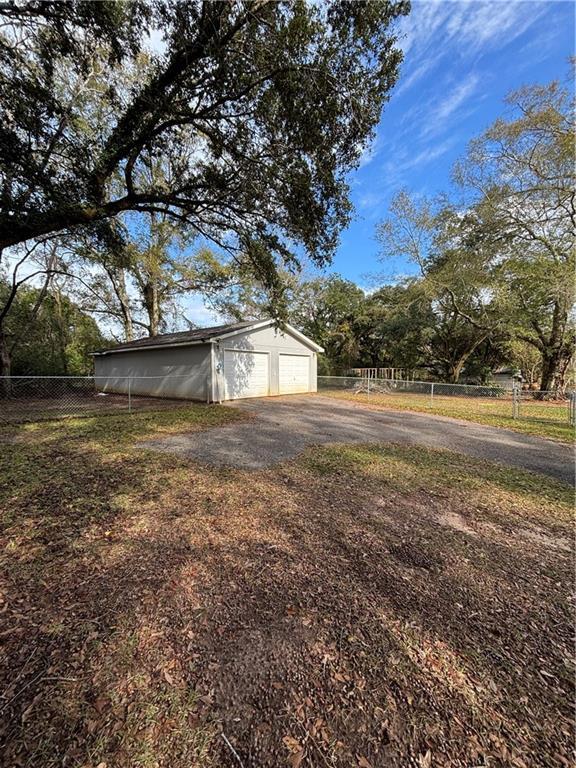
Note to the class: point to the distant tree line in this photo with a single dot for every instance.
(130, 178)
(496, 259)
(50, 335)
(395, 326)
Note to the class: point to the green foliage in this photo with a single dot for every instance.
(58, 339)
(521, 177)
(494, 275)
(140, 290)
(454, 308)
(499, 268)
(325, 309)
(256, 111)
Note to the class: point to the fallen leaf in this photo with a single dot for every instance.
(295, 760)
(100, 705)
(292, 743)
(425, 761)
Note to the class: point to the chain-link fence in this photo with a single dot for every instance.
(33, 398)
(455, 399)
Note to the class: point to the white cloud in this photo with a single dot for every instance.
(194, 309)
(429, 154)
(370, 151)
(466, 29)
(369, 200)
(462, 31)
(482, 26)
(422, 69)
(421, 26)
(395, 168)
(438, 117)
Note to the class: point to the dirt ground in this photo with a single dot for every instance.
(365, 605)
(28, 409)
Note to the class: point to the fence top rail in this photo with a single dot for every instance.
(416, 381)
(410, 382)
(93, 378)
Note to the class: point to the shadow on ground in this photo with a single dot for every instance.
(357, 606)
(286, 426)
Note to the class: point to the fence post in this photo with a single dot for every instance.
(432, 394)
(129, 394)
(572, 409)
(368, 385)
(515, 403)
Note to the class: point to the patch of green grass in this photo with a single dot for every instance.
(125, 428)
(80, 468)
(542, 420)
(415, 469)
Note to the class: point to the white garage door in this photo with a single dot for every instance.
(294, 374)
(245, 374)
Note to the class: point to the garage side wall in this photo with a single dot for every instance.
(274, 343)
(179, 372)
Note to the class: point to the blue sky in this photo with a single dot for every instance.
(461, 59)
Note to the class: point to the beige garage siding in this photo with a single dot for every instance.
(293, 373)
(245, 364)
(246, 374)
(179, 372)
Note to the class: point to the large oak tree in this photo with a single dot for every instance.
(522, 175)
(257, 108)
(499, 265)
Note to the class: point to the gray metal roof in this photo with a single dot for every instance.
(195, 336)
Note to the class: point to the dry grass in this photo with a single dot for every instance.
(543, 419)
(359, 606)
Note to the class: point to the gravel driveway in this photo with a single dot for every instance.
(284, 426)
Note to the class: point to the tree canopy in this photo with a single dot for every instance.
(239, 128)
(522, 182)
(256, 110)
(54, 336)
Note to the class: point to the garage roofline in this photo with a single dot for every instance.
(263, 324)
(214, 339)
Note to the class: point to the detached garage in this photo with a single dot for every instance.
(225, 362)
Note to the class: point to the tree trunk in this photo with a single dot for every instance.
(62, 340)
(5, 365)
(24, 329)
(554, 351)
(152, 306)
(550, 360)
(118, 280)
(560, 380)
(456, 370)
